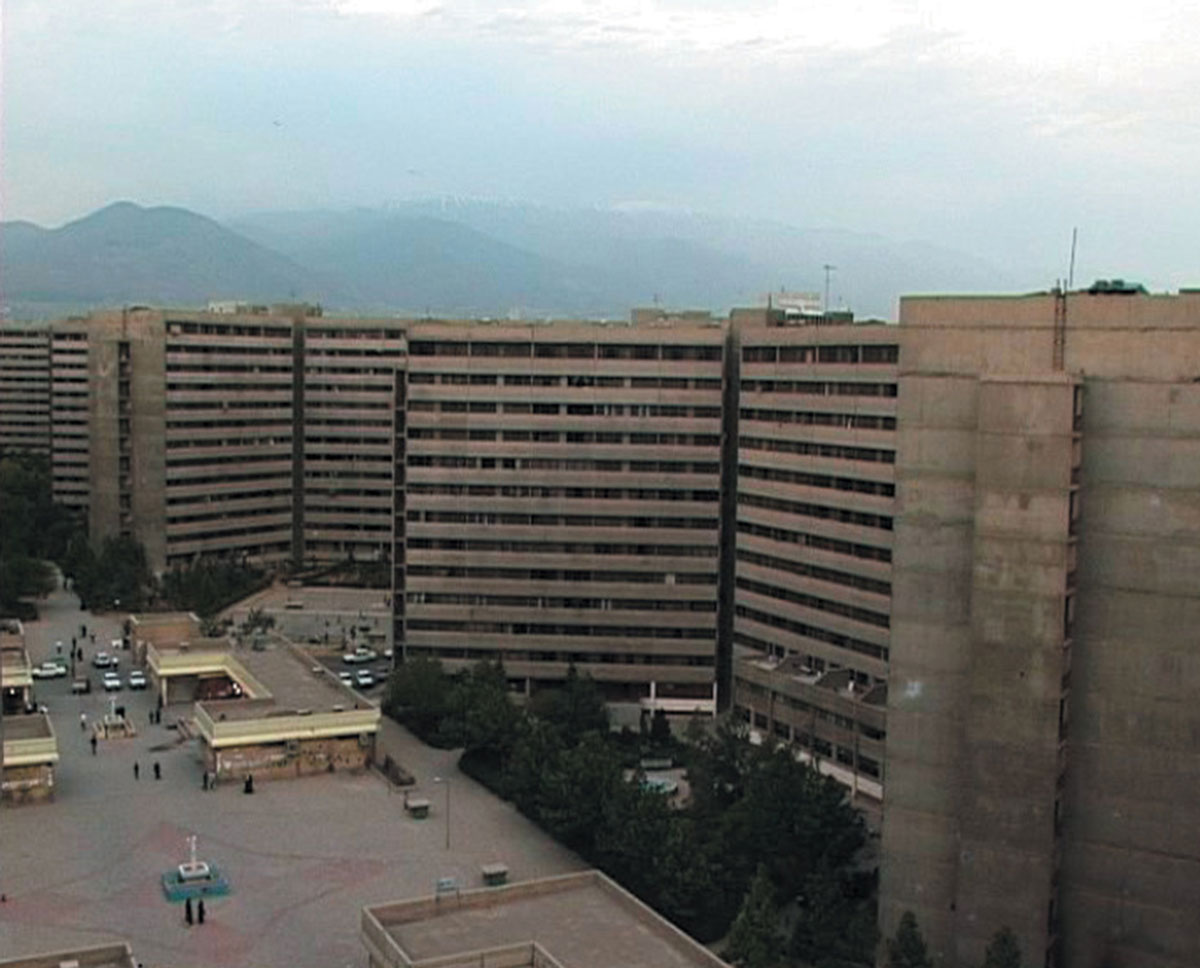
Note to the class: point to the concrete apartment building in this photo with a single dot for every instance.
(353, 401)
(1043, 746)
(562, 503)
(250, 432)
(25, 389)
(816, 450)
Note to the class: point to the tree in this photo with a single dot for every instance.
(792, 819)
(718, 764)
(907, 949)
(574, 789)
(754, 940)
(487, 718)
(835, 920)
(576, 708)
(418, 695)
(1003, 951)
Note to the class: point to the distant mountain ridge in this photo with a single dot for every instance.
(125, 254)
(459, 257)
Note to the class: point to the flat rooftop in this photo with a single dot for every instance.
(294, 681)
(579, 920)
(103, 956)
(35, 726)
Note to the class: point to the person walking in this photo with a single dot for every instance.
(200, 911)
(83, 722)
(157, 771)
(93, 744)
(136, 770)
(187, 911)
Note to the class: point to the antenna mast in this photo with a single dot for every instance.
(828, 270)
(1071, 268)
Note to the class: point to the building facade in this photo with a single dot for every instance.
(815, 489)
(25, 389)
(562, 503)
(1043, 737)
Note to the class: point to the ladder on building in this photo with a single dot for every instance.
(1060, 325)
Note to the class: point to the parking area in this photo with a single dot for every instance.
(303, 856)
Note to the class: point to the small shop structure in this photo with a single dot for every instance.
(30, 755)
(265, 712)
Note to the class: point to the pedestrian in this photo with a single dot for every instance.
(157, 771)
(83, 722)
(93, 744)
(200, 911)
(136, 770)
(150, 717)
(187, 911)
(204, 781)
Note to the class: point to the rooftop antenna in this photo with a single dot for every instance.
(829, 269)
(1071, 269)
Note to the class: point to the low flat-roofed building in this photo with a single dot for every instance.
(16, 671)
(828, 718)
(100, 956)
(267, 712)
(581, 920)
(30, 753)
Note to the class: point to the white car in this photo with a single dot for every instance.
(359, 656)
(346, 677)
(112, 682)
(137, 679)
(102, 660)
(49, 670)
(364, 679)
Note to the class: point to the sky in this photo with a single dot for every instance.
(991, 128)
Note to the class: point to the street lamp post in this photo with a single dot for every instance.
(445, 781)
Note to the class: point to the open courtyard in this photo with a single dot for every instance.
(303, 856)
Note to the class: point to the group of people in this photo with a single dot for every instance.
(187, 912)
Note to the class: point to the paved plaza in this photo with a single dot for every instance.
(303, 856)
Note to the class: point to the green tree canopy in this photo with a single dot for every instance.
(754, 940)
(1003, 950)
(576, 708)
(907, 949)
(418, 695)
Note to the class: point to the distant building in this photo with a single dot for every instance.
(562, 503)
(25, 389)
(816, 452)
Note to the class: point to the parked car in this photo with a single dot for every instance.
(112, 682)
(137, 679)
(346, 677)
(49, 670)
(364, 678)
(81, 685)
(102, 660)
(360, 656)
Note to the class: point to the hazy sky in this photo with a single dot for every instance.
(993, 128)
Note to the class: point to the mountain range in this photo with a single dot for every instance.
(460, 257)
